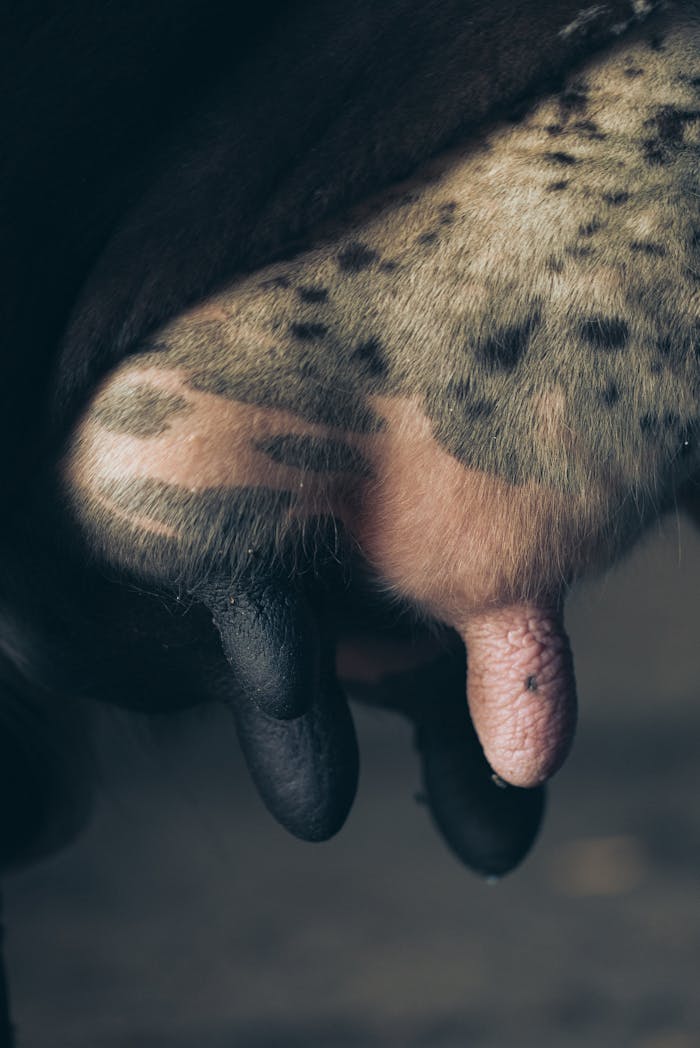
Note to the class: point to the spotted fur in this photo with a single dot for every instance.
(548, 329)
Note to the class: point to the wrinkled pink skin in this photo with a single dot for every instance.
(520, 686)
(469, 550)
(521, 691)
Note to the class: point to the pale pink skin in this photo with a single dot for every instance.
(520, 686)
(463, 546)
(521, 691)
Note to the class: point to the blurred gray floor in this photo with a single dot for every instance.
(185, 919)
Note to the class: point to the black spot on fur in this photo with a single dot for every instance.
(447, 213)
(475, 408)
(695, 82)
(574, 100)
(589, 228)
(504, 350)
(428, 238)
(611, 394)
(603, 332)
(554, 129)
(590, 129)
(313, 294)
(668, 124)
(478, 409)
(656, 42)
(390, 266)
(555, 265)
(307, 332)
(653, 153)
(666, 345)
(617, 198)
(371, 357)
(632, 72)
(355, 257)
(558, 157)
(671, 122)
(557, 187)
(648, 247)
(649, 424)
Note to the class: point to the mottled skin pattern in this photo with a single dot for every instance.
(484, 382)
(456, 400)
(170, 186)
(533, 294)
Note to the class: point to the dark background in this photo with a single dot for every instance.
(185, 917)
